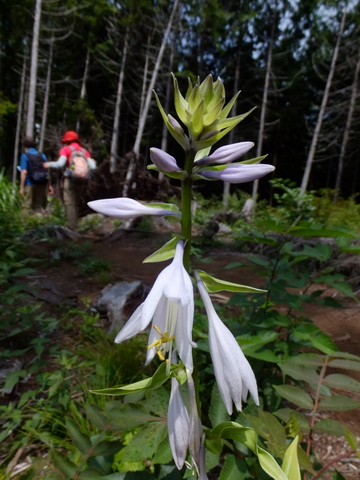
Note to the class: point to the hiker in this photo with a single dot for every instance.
(77, 163)
(33, 177)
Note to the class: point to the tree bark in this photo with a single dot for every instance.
(115, 133)
(165, 131)
(263, 109)
(18, 121)
(30, 121)
(349, 120)
(83, 84)
(226, 191)
(315, 138)
(47, 94)
(142, 119)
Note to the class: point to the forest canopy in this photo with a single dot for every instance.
(92, 66)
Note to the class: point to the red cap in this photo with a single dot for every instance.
(70, 136)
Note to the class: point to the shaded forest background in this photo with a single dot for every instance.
(96, 62)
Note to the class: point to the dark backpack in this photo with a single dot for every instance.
(78, 169)
(37, 173)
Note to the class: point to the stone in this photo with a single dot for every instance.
(112, 301)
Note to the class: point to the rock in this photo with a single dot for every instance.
(224, 229)
(112, 300)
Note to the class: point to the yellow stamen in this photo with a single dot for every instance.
(158, 343)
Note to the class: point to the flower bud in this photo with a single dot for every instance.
(163, 161)
(238, 173)
(226, 154)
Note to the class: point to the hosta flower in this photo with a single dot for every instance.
(170, 307)
(238, 173)
(163, 161)
(178, 425)
(233, 372)
(124, 207)
(226, 154)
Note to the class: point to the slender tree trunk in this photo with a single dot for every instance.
(18, 121)
(47, 94)
(165, 131)
(33, 71)
(263, 110)
(115, 134)
(145, 76)
(226, 191)
(142, 119)
(83, 85)
(349, 120)
(315, 138)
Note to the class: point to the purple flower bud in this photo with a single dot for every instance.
(175, 124)
(163, 161)
(226, 154)
(238, 173)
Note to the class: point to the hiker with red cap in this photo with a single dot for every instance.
(77, 163)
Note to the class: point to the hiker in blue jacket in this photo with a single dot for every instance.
(33, 177)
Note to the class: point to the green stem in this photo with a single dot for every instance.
(186, 221)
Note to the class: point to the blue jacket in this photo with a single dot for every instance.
(24, 163)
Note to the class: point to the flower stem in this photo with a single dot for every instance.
(186, 208)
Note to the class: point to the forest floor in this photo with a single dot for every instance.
(125, 255)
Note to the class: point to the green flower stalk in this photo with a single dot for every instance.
(203, 120)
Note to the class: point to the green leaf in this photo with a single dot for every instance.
(306, 359)
(214, 285)
(166, 252)
(106, 448)
(12, 378)
(337, 403)
(129, 416)
(145, 442)
(343, 382)
(295, 395)
(319, 231)
(217, 410)
(351, 438)
(61, 462)
(299, 372)
(267, 426)
(94, 414)
(81, 441)
(163, 453)
(291, 464)
(166, 206)
(290, 416)
(159, 377)
(247, 436)
(344, 363)
(330, 427)
(234, 469)
(91, 473)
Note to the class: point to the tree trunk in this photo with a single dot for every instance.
(83, 85)
(165, 131)
(33, 71)
(115, 134)
(47, 94)
(18, 121)
(142, 119)
(349, 120)
(226, 191)
(311, 155)
(263, 109)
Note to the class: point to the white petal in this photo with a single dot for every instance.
(124, 207)
(178, 425)
(231, 368)
(132, 327)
